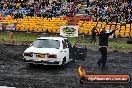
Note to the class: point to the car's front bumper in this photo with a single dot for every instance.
(42, 62)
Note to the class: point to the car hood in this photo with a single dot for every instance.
(42, 50)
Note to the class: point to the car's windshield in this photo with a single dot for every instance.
(46, 43)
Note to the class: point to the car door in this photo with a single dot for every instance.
(65, 49)
(79, 51)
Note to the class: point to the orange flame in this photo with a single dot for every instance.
(81, 71)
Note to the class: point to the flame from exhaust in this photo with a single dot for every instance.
(81, 71)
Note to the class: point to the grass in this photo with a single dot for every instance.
(111, 44)
(26, 38)
(20, 36)
(120, 45)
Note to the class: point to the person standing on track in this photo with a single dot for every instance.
(103, 44)
(93, 35)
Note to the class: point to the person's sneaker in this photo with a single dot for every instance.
(103, 66)
(99, 63)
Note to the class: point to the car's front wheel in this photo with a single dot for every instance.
(63, 62)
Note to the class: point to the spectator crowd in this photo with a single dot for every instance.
(110, 11)
(40, 9)
(97, 10)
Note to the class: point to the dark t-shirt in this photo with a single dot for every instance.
(103, 38)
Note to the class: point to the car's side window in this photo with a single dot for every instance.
(64, 45)
(68, 43)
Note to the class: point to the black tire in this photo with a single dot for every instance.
(63, 62)
(129, 41)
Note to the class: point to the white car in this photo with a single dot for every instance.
(48, 51)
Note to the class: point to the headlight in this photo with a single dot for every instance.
(28, 54)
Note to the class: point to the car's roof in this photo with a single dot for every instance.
(54, 38)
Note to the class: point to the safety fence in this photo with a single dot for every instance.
(52, 25)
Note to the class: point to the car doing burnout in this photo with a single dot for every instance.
(49, 51)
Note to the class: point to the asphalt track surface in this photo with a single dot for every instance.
(16, 73)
